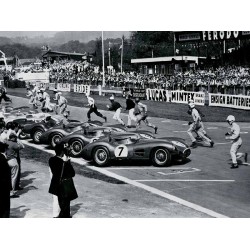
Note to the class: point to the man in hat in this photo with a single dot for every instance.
(93, 109)
(31, 95)
(116, 106)
(5, 183)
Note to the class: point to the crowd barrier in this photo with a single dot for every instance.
(162, 95)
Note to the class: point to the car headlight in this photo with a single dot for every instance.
(94, 139)
(177, 143)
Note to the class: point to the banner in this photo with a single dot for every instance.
(230, 101)
(33, 77)
(185, 96)
(160, 95)
(41, 85)
(63, 87)
(80, 88)
(136, 93)
(52, 86)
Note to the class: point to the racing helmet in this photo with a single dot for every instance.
(137, 99)
(111, 98)
(191, 105)
(231, 118)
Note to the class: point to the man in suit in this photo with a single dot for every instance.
(62, 169)
(5, 183)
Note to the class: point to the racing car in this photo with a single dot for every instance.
(79, 139)
(53, 135)
(131, 146)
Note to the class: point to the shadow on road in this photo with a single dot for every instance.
(26, 173)
(26, 184)
(75, 208)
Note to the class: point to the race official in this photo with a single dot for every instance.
(141, 114)
(116, 106)
(32, 97)
(234, 136)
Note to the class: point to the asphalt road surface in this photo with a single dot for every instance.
(205, 184)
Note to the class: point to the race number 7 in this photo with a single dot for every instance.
(121, 151)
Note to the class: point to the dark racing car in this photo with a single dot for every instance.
(132, 146)
(53, 135)
(79, 139)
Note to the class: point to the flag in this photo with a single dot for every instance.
(121, 47)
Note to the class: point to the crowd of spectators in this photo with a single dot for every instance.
(226, 80)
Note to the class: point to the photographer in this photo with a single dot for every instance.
(62, 184)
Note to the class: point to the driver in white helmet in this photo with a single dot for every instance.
(234, 136)
(197, 127)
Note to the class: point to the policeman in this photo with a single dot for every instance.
(234, 136)
(197, 127)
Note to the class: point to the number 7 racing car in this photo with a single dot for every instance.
(134, 147)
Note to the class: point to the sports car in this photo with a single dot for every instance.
(127, 146)
(79, 139)
(53, 135)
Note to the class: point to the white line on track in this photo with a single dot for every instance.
(245, 127)
(166, 121)
(210, 128)
(148, 168)
(243, 132)
(141, 185)
(180, 131)
(185, 124)
(178, 180)
(180, 172)
(222, 143)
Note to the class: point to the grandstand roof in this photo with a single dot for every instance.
(167, 59)
(69, 55)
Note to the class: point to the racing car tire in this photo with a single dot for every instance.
(76, 144)
(101, 156)
(36, 135)
(54, 139)
(161, 157)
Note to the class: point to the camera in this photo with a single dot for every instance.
(67, 149)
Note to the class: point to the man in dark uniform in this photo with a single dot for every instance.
(5, 183)
(116, 106)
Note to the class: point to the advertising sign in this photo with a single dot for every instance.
(185, 96)
(80, 88)
(63, 87)
(230, 101)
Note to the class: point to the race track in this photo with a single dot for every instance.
(205, 183)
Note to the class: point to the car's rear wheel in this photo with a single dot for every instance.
(55, 139)
(161, 157)
(36, 135)
(101, 156)
(76, 147)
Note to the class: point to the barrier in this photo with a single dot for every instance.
(230, 101)
(160, 95)
(185, 96)
(80, 88)
(63, 87)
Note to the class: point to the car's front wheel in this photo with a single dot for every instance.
(161, 157)
(101, 156)
(55, 139)
(76, 148)
(36, 135)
